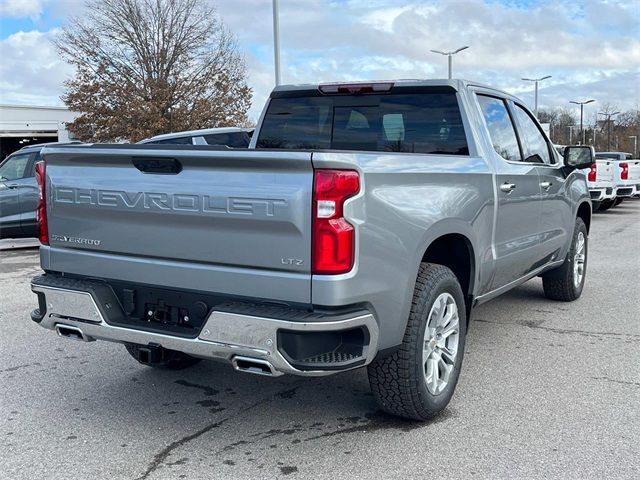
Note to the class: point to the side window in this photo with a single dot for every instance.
(14, 168)
(503, 135)
(175, 141)
(536, 148)
(232, 140)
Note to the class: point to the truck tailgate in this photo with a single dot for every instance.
(634, 172)
(228, 217)
(604, 172)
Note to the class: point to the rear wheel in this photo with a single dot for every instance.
(418, 380)
(566, 282)
(168, 359)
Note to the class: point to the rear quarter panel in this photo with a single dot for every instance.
(405, 203)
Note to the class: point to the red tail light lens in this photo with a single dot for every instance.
(41, 210)
(592, 173)
(333, 249)
(624, 174)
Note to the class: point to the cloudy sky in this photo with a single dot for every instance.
(591, 48)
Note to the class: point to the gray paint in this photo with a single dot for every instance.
(406, 202)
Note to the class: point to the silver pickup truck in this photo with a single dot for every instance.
(360, 228)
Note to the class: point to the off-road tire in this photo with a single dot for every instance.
(172, 360)
(558, 284)
(398, 380)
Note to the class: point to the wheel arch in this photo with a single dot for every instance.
(584, 212)
(455, 251)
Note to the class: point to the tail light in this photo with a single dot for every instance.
(41, 210)
(333, 238)
(592, 173)
(624, 175)
(355, 88)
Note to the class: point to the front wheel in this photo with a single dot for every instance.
(418, 380)
(566, 282)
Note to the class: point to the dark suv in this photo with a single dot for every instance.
(19, 193)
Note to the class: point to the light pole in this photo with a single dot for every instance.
(276, 40)
(450, 54)
(535, 96)
(608, 115)
(635, 145)
(582, 104)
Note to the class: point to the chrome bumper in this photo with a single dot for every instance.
(225, 336)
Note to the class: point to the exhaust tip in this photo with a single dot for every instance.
(72, 333)
(255, 366)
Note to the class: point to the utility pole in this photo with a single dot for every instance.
(582, 104)
(450, 55)
(608, 115)
(276, 40)
(535, 95)
(635, 145)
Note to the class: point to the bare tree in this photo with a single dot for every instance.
(145, 67)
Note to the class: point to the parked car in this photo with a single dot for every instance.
(231, 137)
(360, 228)
(626, 173)
(19, 192)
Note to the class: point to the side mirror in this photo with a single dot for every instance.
(579, 156)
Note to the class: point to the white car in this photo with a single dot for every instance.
(626, 173)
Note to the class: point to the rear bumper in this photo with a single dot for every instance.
(234, 333)
(625, 191)
(599, 194)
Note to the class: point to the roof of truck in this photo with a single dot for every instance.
(36, 146)
(196, 133)
(456, 84)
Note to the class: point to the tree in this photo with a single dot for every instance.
(145, 67)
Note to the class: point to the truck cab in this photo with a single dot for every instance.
(360, 228)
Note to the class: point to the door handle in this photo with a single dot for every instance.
(546, 185)
(13, 186)
(507, 187)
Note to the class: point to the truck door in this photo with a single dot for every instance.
(556, 215)
(29, 195)
(12, 178)
(517, 225)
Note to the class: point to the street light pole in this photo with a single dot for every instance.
(608, 115)
(276, 40)
(635, 145)
(582, 104)
(535, 95)
(450, 55)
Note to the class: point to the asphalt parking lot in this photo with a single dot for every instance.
(547, 390)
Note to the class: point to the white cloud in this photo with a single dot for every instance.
(30, 71)
(591, 48)
(22, 8)
(579, 43)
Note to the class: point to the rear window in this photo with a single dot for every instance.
(415, 123)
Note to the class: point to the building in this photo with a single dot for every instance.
(22, 125)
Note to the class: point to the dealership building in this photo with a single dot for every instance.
(22, 125)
